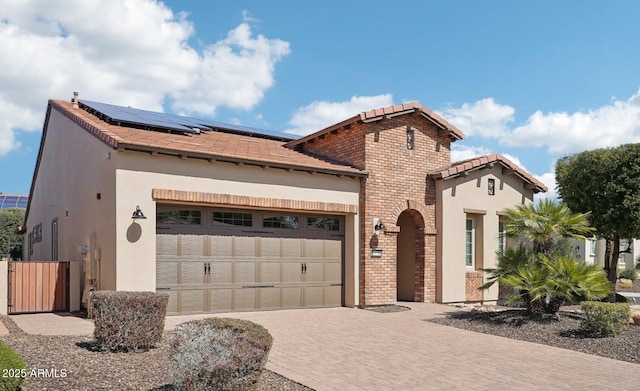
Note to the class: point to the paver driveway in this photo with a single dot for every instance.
(354, 349)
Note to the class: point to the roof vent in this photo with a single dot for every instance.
(75, 99)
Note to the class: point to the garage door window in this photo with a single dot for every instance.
(233, 218)
(323, 223)
(287, 222)
(188, 217)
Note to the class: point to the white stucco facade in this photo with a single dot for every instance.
(91, 190)
(467, 197)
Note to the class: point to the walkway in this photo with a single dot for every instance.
(352, 349)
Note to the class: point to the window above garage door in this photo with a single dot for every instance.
(220, 221)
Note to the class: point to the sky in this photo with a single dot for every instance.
(532, 80)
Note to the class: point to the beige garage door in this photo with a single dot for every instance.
(248, 270)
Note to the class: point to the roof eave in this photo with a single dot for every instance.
(355, 173)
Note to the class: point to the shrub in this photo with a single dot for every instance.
(126, 321)
(605, 319)
(219, 354)
(629, 274)
(15, 367)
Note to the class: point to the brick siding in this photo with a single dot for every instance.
(397, 181)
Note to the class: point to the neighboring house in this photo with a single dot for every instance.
(593, 251)
(367, 211)
(13, 201)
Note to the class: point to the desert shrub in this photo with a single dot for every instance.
(219, 354)
(605, 319)
(629, 274)
(126, 321)
(14, 371)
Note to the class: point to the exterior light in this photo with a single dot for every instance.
(377, 225)
(137, 214)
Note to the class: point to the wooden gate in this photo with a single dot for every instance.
(38, 286)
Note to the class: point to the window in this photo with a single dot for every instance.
(234, 218)
(324, 223)
(470, 243)
(410, 139)
(502, 236)
(190, 217)
(37, 233)
(491, 186)
(54, 240)
(593, 247)
(288, 222)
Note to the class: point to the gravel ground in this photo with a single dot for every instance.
(79, 367)
(563, 333)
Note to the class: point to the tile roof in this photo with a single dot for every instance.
(388, 112)
(211, 145)
(465, 166)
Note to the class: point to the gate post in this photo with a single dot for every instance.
(4, 287)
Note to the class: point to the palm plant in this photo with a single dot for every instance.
(543, 280)
(542, 222)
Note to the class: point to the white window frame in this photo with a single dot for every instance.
(502, 235)
(470, 242)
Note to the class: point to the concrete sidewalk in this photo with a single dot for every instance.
(353, 349)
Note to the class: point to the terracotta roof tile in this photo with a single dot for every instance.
(455, 133)
(209, 144)
(462, 166)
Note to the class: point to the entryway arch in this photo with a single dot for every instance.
(410, 256)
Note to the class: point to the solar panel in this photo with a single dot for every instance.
(13, 201)
(151, 120)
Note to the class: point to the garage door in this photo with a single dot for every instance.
(247, 261)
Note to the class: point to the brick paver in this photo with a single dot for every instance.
(353, 349)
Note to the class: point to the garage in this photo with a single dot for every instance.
(222, 260)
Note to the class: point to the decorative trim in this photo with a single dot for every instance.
(250, 202)
(475, 211)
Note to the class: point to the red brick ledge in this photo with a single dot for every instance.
(251, 202)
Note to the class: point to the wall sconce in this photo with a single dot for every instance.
(137, 214)
(377, 225)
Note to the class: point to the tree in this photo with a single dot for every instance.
(606, 183)
(10, 239)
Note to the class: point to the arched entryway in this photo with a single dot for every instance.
(410, 255)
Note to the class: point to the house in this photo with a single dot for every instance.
(367, 211)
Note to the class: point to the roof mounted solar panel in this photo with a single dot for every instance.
(150, 120)
(13, 201)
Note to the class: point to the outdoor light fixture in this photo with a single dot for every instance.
(138, 214)
(377, 225)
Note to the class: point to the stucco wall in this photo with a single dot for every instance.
(139, 173)
(468, 195)
(74, 168)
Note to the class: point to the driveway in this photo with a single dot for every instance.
(354, 349)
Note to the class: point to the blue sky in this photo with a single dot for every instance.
(534, 80)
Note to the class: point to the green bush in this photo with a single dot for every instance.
(126, 321)
(629, 274)
(605, 319)
(219, 354)
(16, 370)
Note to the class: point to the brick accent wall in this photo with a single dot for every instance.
(397, 181)
(473, 281)
(249, 201)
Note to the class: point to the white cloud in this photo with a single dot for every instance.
(464, 152)
(549, 179)
(563, 133)
(484, 118)
(133, 53)
(320, 114)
